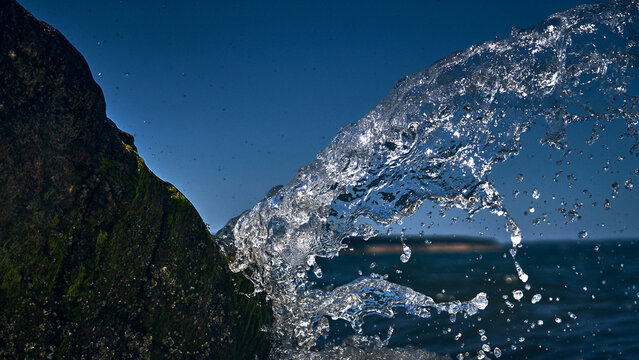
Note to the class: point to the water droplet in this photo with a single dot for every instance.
(518, 294)
(406, 255)
(515, 193)
(607, 204)
(535, 194)
(497, 352)
(615, 189)
(536, 298)
(628, 184)
(583, 234)
(572, 316)
(515, 238)
(520, 178)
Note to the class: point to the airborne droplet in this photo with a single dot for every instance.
(536, 298)
(535, 194)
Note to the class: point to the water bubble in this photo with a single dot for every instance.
(615, 189)
(558, 320)
(483, 338)
(527, 287)
(522, 339)
(481, 331)
(518, 294)
(372, 265)
(497, 352)
(520, 178)
(535, 194)
(536, 298)
(318, 272)
(485, 347)
(540, 322)
(628, 184)
(515, 193)
(607, 204)
(531, 209)
(583, 234)
(458, 336)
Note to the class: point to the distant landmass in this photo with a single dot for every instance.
(383, 244)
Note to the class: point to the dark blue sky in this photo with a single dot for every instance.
(227, 99)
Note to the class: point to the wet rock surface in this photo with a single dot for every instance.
(99, 258)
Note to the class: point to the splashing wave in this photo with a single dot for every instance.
(436, 136)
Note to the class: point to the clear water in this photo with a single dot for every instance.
(440, 137)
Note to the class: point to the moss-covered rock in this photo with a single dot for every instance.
(98, 257)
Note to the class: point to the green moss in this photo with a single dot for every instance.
(175, 194)
(77, 282)
(50, 194)
(102, 236)
(108, 163)
(11, 283)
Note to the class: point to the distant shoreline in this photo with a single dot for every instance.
(387, 244)
(391, 244)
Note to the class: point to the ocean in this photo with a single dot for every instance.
(586, 304)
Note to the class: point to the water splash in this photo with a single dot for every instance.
(436, 137)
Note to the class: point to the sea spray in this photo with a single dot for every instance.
(435, 137)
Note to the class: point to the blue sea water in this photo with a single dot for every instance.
(588, 307)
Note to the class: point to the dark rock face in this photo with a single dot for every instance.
(98, 257)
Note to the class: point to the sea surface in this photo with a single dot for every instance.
(588, 295)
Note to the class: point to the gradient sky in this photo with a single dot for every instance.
(227, 99)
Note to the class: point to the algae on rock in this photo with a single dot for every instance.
(98, 257)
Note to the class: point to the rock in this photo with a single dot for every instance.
(98, 257)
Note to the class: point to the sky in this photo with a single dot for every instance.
(227, 99)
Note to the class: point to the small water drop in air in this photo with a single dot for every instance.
(535, 194)
(536, 298)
